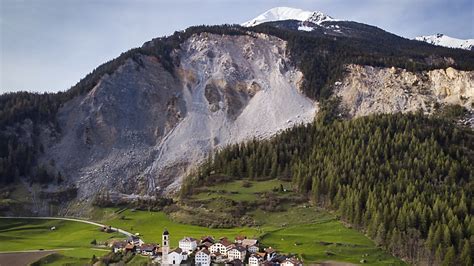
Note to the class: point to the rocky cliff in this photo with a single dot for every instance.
(367, 90)
(142, 128)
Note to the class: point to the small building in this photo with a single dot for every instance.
(270, 253)
(253, 249)
(208, 239)
(175, 257)
(119, 246)
(249, 242)
(291, 262)
(135, 240)
(237, 253)
(255, 259)
(202, 258)
(188, 244)
(239, 239)
(130, 247)
(222, 246)
(148, 249)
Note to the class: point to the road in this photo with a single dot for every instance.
(71, 219)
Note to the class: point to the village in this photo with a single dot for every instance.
(205, 251)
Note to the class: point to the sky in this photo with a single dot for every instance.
(49, 45)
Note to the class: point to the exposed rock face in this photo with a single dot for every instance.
(367, 90)
(141, 128)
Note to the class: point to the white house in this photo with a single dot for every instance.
(255, 260)
(175, 257)
(222, 246)
(237, 252)
(292, 262)
(188, 244)
(203, 258)
(253, 249)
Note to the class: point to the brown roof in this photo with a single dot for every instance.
(205, 251)
(240, 237)
(249, 242)
(130, 246)
(293, 260)
(239, 248)
(207, 238)
(148, 247)
(225, 242)
(177, 250)
(269, 250)
(119, 244)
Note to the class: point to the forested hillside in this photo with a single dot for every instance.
(406, 180)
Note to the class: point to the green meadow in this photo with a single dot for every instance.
(313, 234)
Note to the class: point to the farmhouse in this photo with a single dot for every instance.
(188, 244)
(237, 253)
(203, 258)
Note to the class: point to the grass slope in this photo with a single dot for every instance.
(25, 234)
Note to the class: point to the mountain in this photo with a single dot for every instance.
(446, 41)
(288, 13)
(137, 125)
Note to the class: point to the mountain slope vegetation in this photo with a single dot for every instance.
(405, 180)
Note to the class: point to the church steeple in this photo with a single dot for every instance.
(165, 246)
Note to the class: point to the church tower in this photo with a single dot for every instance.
(165, 247)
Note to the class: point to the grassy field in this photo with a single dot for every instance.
(23, 234)
(236, 190)
(314, 234)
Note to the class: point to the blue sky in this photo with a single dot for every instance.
(48, 45)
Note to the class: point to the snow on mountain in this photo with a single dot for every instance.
(446, 41)
(288, 13)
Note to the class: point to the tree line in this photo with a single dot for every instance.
(405, 180)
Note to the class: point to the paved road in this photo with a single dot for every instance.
(70, 219)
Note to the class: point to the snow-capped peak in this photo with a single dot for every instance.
(288, 13)
(446, 41)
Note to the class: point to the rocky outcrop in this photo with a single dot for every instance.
(367, 90)
(142, 128)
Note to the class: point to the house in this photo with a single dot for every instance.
(202, 258)
(135, 240)
(208, 239)
(148, 249)
(239, 239)
(218, 257)
(130, 247)
(119, 246)
(255, 259)
(253, 249)
(222, 246)
(249, 242)
(237, 253)
(175, 257)
(291, 262)
(270, 253)
(188, 244)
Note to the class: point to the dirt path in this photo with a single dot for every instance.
(71, 219)
(21, 258)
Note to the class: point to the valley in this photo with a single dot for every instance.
(311, 233)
